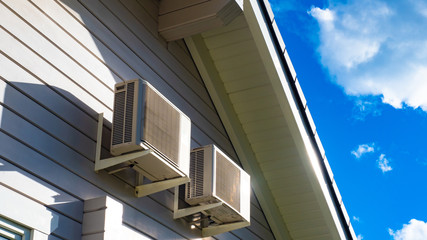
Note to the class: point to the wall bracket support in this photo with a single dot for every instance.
(212, 229)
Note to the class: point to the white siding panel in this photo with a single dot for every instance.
(53, 55)
(184, 58)
(51, 75)
(47, 121)
(25, 82)
(31, 213)
(60, 60)
(149, 22)
(65, 42)
(79, 186)
(35, 188)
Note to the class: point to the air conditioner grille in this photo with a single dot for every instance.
(227, 181)
(130, 95)
(195, 188)
(162, 122)
(118, 117)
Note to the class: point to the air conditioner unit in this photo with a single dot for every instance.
(216, 178)
(144, 119)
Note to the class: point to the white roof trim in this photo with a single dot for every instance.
(290, 110)
(287, 96)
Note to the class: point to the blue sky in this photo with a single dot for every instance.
(362, 65)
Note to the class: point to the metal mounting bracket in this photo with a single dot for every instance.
(179, 213)
(218, 229)
(210, 230)
(147, 189)
(142, 189)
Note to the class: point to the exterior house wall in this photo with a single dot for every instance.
(59, 61)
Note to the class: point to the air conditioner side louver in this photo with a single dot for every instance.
(216, 178)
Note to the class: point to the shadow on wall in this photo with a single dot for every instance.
(43, 133)
(53, 83)
(49, 156)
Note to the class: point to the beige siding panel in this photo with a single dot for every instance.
(234, 63)
(228, 38)
(279, 158)
(293, 200)
(301, 208)
(233, 50)
(294, 171)
(272, 145)
(259, 126)
(236, 24)
(299, 217)
(268, 134)
(307, 224)
(319, 232)
(298, 198)
(251, 94)
(289, 181)
(242, 73)
(261, 114)
(277, 162)
(254, 105)
(253, 81)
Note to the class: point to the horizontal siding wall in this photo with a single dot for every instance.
(60, 60)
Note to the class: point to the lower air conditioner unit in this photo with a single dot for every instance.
(143, 119)
(216, 178)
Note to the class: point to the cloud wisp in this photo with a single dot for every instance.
(362, 150)
(375, 47)
(415, 230)
(383, 164)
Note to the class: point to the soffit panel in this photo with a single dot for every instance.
(234, 54)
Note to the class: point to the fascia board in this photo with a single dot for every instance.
(286, 99)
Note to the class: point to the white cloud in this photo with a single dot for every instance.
(375, 47)
(362, 149)
(383, 164)
(415, 230)
(364, 106)
(359, 237)
(324, 16)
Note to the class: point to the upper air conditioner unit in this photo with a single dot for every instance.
(214, 178)
(143, 119)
